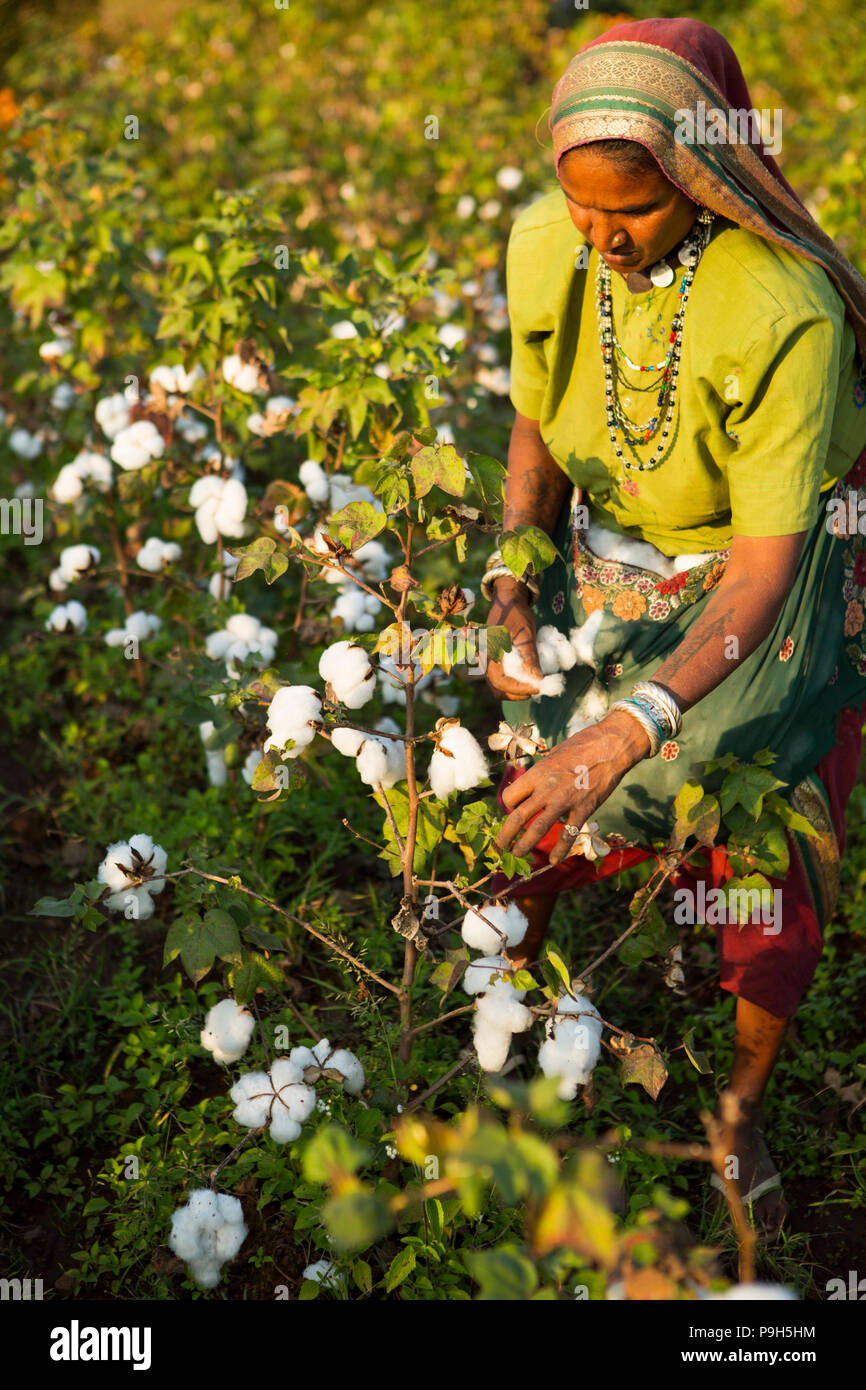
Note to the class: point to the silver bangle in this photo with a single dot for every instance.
(648, 725)
(501, 571)
(666, 705)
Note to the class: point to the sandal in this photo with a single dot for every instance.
(771, 1183)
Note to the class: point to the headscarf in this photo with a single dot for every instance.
(630, 82)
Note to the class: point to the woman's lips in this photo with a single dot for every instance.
(617, 258)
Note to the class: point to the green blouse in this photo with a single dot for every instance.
(767, 415)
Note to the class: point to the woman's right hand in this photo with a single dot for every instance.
(511, 609)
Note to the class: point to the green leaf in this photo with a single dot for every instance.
(362, 1276)
(698, 1059)
(356, 1219)
(333, 1153)
(697, 814)
(58, 907)
(488, 475)
(497, 641)
(401, 1267)
(645, 1066)
(527, 547)
(743, 897)
(198, 942)
(747, 786)
(561, 969)
(254, 972)
(504, 1274)
(357, 523)
(438, 466)
(256, 556)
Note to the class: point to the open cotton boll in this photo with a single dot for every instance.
(279, 1098)
(499, 1014)
(483, 972)
(252, 1094)
(357, 609)
(374, 560)
(227, 1031)
(132, 869)
(177, 379)
(137, 445)
(491, 1045)
(139, 626)
(25, 444)
(392, 679)
(314, 480)
(346, 667)
(347, 741)
(206, 1233)
(190, 428)
(112, 414)
(591, 707)
(248, 771)
(326, 1274)
(220, 507)
(343, 490)
(67, 617)
(243, 376)
(555, 652)
(513, 667)
(480, 934)
(380, 763)
(217, 771)
(573, 1044)
(457, 764)
(353, 1072)
(292, 713)
(156, 553)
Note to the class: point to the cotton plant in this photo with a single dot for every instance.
(295, 713)
(176, 380)
(227, 1030)
(207, 1232)
(131, 869)
(138, 627)
(323, 1060)
(67, 617)
(191, 428)
(25, 444)
(137, 445)
(278, 1100)
(87, 467)
(458, 761)
(244, 638)
(220, 507)
(156, 553)
(112, 414)
(75, 561)
(573, 1043)
(347, 670)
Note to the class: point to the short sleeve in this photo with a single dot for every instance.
(782, 423)
(529, 371)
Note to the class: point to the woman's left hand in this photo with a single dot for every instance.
(568, 783)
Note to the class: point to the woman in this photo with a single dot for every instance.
(687, 362)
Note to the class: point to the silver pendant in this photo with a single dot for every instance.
(661, 274)
(688, 253)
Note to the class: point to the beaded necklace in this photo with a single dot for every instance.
(690, 255)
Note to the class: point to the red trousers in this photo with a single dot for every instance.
(769, 968)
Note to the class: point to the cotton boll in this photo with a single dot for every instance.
(227, 1031)
(464, 768)
(190, 428)
(283, 1129)
(326, 1274)
(465, 206)
(347, 741)
(509, 178)
(480, 972)
(205, 1233)
(353, 1072)
(248, 771)
(314, 481)
(112, 414)
(217, 771)
(555, 652)
(253, 1095)
(137, 445)
(155, 554)
(346, 667)
(63, 396)
(513, 667)
(220, 507)
(357, 609)
(292, 713)
(491, 1045)
(243, 376)
(374, 560)
(67, 617)
(344, 329)
(573, 1044)
(372, 762)
(24, 444)
(480, 934)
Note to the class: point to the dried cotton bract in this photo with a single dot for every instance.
(323, 1057)
(573, 1044)
(227, 1031)
(205, 1233)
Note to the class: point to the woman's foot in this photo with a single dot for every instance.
(755, 1171)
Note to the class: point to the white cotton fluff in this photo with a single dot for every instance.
(206, 1233)
(229, 570)
(513, 667)
(112, 414)
(25, 444)
(450, 334)
(86, 467)
(381, 761)
(227, 1031)
(582, 638)
(481, 934)
(465, 206)
(139, 625)
(278, 1098)
(190, 428)
(498, 1014)
(292, 714)
(220, 507)
(343, 491)
(483, 972)
(317, 1056)
(509, 177)
(243, 376)
(137, 445)
(242, 639)
(754, 1293)
(131, 870)
(251, 762)
(347, 741)
(75, 561)
(55, 347)
(270, 421)
(357, 609)
(314, 480)
(464, 768)
(67, 617)
(375, 563)
(177, 379)
(497, 380)
(217, 771)
(326, 1274)
(156, 553)
(346, 667)
(573, 1045)
(63, 396)
(344, 329)
(555, 652)
(592, 706)
(353, 1073)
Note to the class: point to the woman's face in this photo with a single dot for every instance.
(631, 220)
